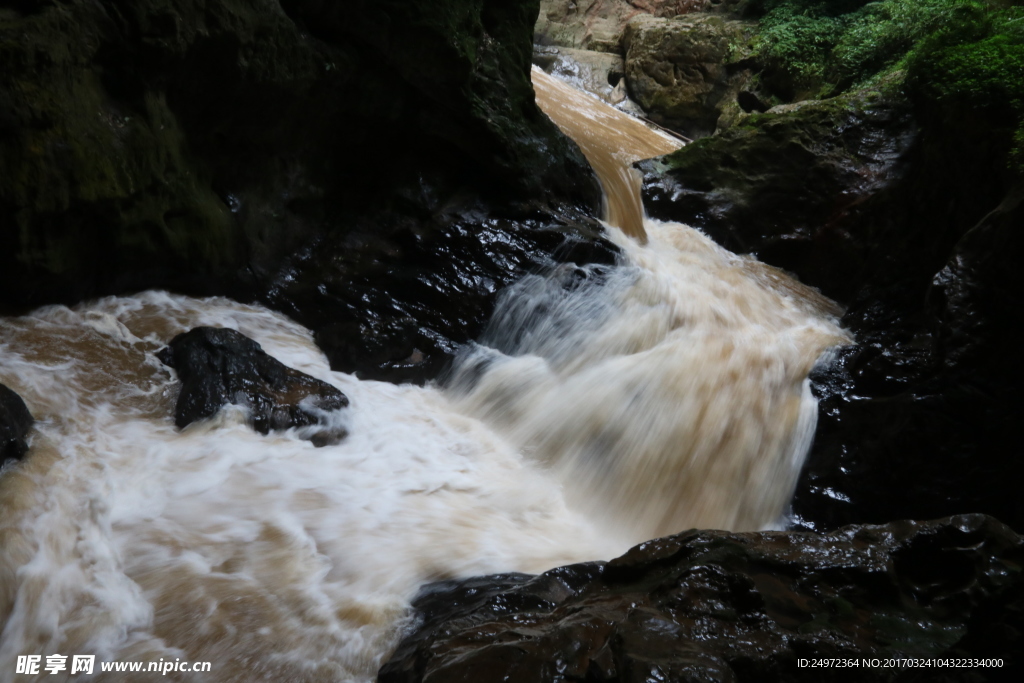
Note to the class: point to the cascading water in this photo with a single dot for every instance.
(611, 141)
(604, 405)
(270, 558)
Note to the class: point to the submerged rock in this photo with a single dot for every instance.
(15, 423)
(719, 606)
(221, 366)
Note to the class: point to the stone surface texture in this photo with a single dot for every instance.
(210, 146)
(687, 72)
(221, 366)
(718, 606)
(598, 24)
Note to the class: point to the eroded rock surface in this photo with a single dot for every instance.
(222, 147)
(598, 24)
(688, 71)
(220, 366)
(15, 423)
(718, 606)
(583, 24)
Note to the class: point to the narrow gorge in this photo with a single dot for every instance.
(338, 343)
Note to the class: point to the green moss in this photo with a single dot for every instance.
(828, 46)
(965, 54)
(976, 63)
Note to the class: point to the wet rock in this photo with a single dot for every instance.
(221, 366)
(397, 307)
(926, 408)
(718, 606)
(15, 423)
(781, 185)
(687, 72)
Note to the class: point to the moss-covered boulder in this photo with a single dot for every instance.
(780, 185)
(200, 145)
(687, 71)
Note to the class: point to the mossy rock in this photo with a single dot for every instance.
(685, 72)
(207, 146)
(775, 184)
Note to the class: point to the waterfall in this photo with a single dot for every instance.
(611, 141)
(604, 405)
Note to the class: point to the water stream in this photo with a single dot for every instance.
(603, 406)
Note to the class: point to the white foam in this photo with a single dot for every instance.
(128, 538)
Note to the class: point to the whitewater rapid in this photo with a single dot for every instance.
(275, 560)
(615, 403)
(604, 405)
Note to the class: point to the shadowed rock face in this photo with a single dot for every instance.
(220, 366)
(15, 422)
(716, 606)
(216, 147)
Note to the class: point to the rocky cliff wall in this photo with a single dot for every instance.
(210, 146)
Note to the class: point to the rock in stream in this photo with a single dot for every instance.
(221, 366)
(15, 423)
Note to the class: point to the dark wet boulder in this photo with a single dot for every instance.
(782, 185)
(926, 407)
(15, 423)
(719, 606)
(398, 308)
(220, 366)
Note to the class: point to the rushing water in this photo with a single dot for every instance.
(604, 405)
(611, 141)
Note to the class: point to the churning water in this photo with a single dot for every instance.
(604, 406)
